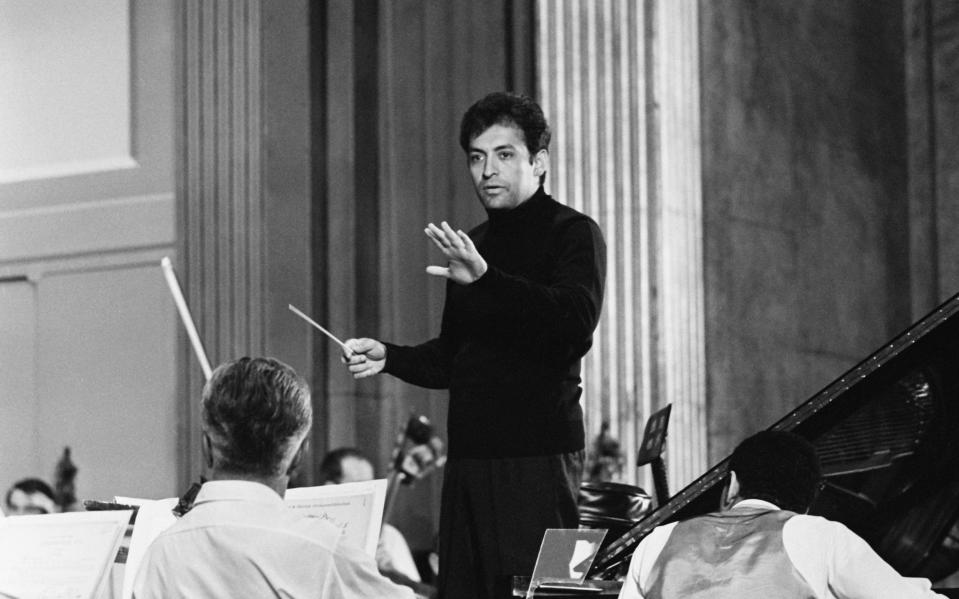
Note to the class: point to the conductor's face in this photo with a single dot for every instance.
(499, 161)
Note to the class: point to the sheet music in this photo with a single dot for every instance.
(59, 556)
(355, 508)
(153, 517)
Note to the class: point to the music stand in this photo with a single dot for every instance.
(651, 451)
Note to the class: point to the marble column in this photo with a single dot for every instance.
(619, 82)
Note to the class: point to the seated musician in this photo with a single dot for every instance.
(393, 556)
(29, 496)
(239, 539)
(761, 544)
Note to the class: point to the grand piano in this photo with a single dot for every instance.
(887, 433)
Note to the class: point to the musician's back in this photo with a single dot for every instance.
(240, 540)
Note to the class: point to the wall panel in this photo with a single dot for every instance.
(65, 118)
(115, 224)
(136, 50)
(86, 212)
(20, 456)
(107, 330)
(804, 190)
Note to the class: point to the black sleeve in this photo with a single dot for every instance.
(568, 305)
(427, 364)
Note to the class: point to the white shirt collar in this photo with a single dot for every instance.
(237, 490)
(755, 504)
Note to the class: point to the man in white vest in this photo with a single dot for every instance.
(762, 544)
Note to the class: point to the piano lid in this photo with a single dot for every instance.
(887, 433)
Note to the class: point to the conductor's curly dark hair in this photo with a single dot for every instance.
(507, 108)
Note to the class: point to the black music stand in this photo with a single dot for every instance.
(651, 451)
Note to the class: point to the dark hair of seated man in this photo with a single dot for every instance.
(779, 467)
(256, 414)
(241, 538)
(29, 496)
(345, 465)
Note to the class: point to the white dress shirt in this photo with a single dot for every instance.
(393, 553)
(240, 540)
(832, 559)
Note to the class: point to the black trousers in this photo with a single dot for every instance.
(493, 516)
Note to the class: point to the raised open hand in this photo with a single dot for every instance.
(465, 263)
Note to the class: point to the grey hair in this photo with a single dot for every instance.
(256, 412)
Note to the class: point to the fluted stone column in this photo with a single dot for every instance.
(619, 81)
(243, 187)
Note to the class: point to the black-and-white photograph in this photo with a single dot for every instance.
(360, 298)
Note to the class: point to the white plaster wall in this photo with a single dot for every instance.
(87, 209)
(65, 72)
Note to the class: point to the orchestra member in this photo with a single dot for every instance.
(345, 465)
(523, 295)
(762, 544)
(393, 556)
(239, 539)
(30, 496)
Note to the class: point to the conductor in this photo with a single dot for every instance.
(523, 295)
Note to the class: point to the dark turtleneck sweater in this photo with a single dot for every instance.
(510, 343)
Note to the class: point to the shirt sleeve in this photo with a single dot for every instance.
(642, 562)
(569, 303)
(828, 553)
(393, 553)
(425, 365)
(146, 583)
(355, 576)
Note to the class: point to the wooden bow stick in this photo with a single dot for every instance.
(185, 316)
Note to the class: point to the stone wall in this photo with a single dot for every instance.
(805, 200)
